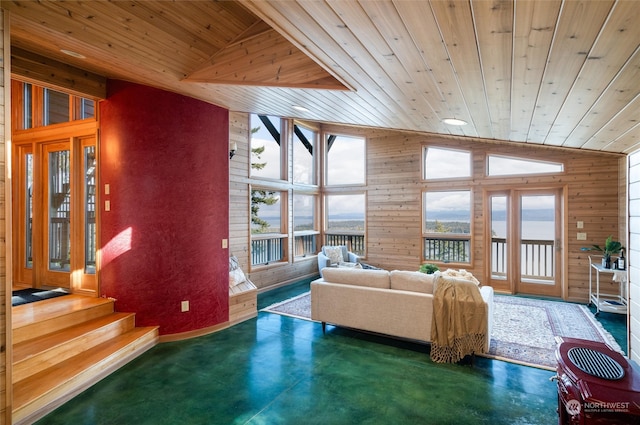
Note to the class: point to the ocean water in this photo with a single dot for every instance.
(543, 230)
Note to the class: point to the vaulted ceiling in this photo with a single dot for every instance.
(552, 72)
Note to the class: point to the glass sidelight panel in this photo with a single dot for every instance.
(59, 201)
(499, 240)
(28, 211)
(89, 160)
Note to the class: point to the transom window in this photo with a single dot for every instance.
(41, 106)
(346, 159)
(498, 165)
(440, 163)
(304, 142)
(266, 151)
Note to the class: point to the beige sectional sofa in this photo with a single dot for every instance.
(397, 303)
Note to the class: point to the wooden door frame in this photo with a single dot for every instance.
(521, 287)
(76, 134)
(509, 285)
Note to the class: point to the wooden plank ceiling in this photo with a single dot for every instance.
(553, 72)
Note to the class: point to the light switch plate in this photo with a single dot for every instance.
(580, 224)
(184, 306)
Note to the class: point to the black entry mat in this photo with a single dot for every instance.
(30, 295)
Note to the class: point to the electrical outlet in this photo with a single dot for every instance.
(580, 224)
(225, 243)
(582, 236)
(107, 205)
(184, 306)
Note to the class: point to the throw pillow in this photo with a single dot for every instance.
(233, 263)
(236, 277)
(334, 253)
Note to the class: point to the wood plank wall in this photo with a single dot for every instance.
(5, 250)
(634, 256)
(592, 182)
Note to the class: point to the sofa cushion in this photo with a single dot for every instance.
(357, 277)
(411, 281)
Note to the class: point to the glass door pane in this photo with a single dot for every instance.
(539, 242)
(537, 239)
(499, 241)
(59, 200)
(28, 211)
(89, 160)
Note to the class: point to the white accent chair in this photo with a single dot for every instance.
(332, 256)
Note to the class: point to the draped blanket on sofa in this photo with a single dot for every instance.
(459, 325)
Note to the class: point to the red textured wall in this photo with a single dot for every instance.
(165, 158)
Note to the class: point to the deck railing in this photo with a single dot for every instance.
(537, 258)
(305, 243)
(353, 240)
(267, 248)
(447, 250)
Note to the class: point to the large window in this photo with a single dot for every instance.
(447, 226)
(305, 227)
(304, 142)
(268, 230)
(346, 160)
(266, 147)
(345, 221)
(442, 163)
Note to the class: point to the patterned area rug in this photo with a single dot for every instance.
(524, 329)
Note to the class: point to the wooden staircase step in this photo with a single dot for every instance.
(35, 355)
(37, 319)
(39, 394)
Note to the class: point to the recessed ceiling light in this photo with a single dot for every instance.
(454, 121)
(72, 53)
(300, 108)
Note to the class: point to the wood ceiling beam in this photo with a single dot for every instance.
(36, 69)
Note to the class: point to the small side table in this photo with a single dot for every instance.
(607, 302)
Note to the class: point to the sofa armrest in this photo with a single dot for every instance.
(487, 295)
(353, 258)
(323, 261)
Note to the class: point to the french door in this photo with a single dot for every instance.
(55, 214)
(526, 241)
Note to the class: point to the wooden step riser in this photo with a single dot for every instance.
(67, 347)
(38, 329)
(29, 407)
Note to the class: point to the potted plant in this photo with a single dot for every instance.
(428, 268)
(610, 247)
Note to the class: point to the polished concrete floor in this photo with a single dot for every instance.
(281, 370)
